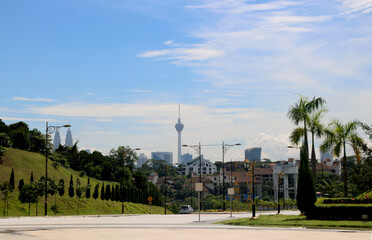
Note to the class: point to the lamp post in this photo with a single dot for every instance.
(250, 166)
(165, 188)
(280, 175)
(225, 147)
(48, 130)
(122, 197)
(197, 148)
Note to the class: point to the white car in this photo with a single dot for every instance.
(186, 209)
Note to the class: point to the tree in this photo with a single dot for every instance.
(117, 193)
(107, 192)
(87, 192)
(124, 156)
(37, 141)
(21, 184)
(112, 197)
(19, 133)
(95, 193)
(103, 191)
(337, 136)
(316, 129)
(2, 153)
(5, 192)
(28, 194)
(61, 187)
(11, 180)
(71, 191)
(32, 177)
(3, 127)
(300, 111)
(5, 140)
(306, 195)
(79, 193)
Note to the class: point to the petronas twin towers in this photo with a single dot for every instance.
(57, 139)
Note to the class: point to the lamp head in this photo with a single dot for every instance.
(247, 164)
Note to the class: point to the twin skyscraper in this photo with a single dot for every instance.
(57, 139)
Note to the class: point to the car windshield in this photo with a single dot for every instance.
(184, 207)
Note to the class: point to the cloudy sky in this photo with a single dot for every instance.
(116, 70)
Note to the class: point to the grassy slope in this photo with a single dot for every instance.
(298, 221)
(24, 162)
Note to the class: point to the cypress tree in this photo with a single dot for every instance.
(107, 192)
(103, 191)
(11, 180)
(71, 191)
(117, 193)
(306, 195)
(87, 192)
(95, 193)
(32, 177)
(112, 193)
(21, 184)
(61, 187)
(79, 192)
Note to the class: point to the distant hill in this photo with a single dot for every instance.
(24, 163)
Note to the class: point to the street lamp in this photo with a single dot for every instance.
(197, 148)
(225, 147)
(280, 176)
(48, 130)
(250, 166)
(122, 187)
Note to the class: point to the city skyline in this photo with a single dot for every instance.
(116, 71)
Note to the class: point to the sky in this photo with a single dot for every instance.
(116, 70)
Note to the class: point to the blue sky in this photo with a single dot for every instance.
(117, 70)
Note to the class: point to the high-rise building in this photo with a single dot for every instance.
(253, 154)
(179, 128)
(142, 159)
(326, 156)
(69, 142)
(187, 157)
(57, 139)
(166, 156)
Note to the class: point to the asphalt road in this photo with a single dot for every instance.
(156, 227)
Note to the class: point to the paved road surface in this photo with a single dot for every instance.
(156, 227)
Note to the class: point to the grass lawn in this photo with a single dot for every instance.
(298, 221)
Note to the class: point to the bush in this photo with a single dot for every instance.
(346, 201)
(341, 212)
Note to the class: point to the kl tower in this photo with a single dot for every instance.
(179, 128)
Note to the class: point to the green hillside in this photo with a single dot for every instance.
(24, 163)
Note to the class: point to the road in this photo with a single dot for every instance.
(156, 227)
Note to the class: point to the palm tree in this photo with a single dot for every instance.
(316, 128)
(338, 135)
(300, 112)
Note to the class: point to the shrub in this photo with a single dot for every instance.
(341, 212)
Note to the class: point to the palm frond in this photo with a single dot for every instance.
(296, 135)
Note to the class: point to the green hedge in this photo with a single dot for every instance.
(346, 201)
(341, 212)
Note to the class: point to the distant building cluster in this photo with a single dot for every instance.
(166, 156)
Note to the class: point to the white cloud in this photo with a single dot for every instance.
(139, 91)
(353, 6)
(32, 99)
(28, 119)
(104, 120)
(184, 54)
(99, 133)
(88, 93)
